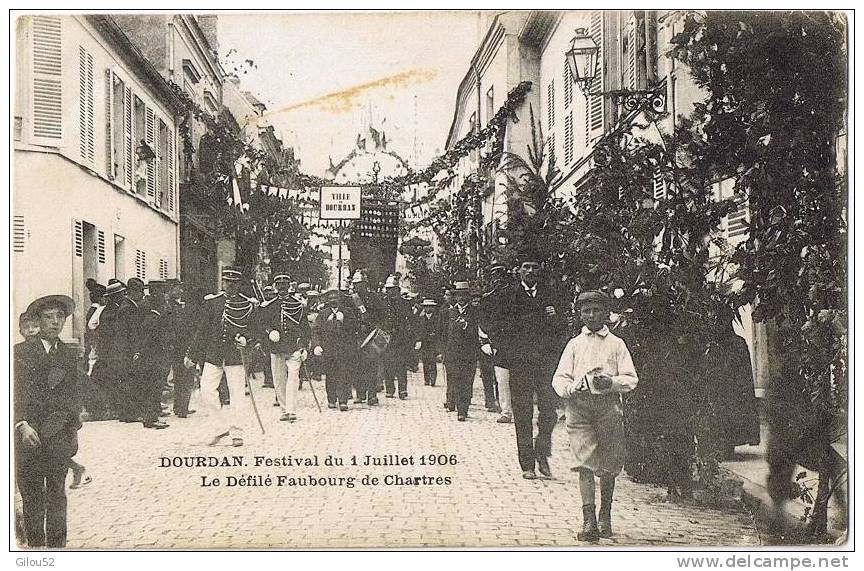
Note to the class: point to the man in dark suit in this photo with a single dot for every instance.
(398, 323)
(334, 344)
(113, 343)
(460, 350)
(367, 314)
(47, 420)
(429, 324)
(532, 342)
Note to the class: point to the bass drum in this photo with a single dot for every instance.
(375, 343)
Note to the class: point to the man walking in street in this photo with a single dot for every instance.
(287, 330)
(460, 350)
(367, 316)
(536, 334)
(493, 326)
(150, 362)
(398, 323)
(334, 341)
(225, 329)
(181, 328)
(47, 419)
(112, 349)
(430, 340)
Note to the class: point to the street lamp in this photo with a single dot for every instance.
(582, 58)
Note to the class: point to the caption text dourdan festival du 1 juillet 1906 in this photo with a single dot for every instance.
(299, 475)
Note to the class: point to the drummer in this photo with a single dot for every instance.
(367, 315)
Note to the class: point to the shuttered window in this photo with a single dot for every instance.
(550, 104)
(163, 269)
(118, 129)
(659, 185)
(631, 52)
(19, 234)
(164, 184)
(594, 116)
(78, 238)
(150, 127)
(551, 149)
(568, 137)
(141, 265)
(128, 138)
(85, 105)
(47, 86)
(567, 81)
(736, 225)
(100, 246)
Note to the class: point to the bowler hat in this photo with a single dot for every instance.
(64, 302)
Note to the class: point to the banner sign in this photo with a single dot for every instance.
(340, 202)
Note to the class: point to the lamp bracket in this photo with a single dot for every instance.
(633, 99)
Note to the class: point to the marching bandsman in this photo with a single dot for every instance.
(225, 329)
(287, 329)
(461, 344)
(334, 345)
(367, 316)
(430, 340)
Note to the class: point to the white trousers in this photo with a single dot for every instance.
(231, 418)
(286, 379)
(502, 375)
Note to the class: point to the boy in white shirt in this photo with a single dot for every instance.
(594, 370)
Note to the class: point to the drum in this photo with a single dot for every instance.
(375, 343)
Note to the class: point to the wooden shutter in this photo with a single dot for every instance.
(111, 169)
(150, 138)
(659, 185)
(550, 104)
(129, 137)
(78, 238)
(100, 246)
(736, 226)
(594, 116)
(567, 80)
(551, 147)
(85, 104)
(163, 269)
(141, 264)
(19, 234)
(631, 80)
(568, 137)
(47, 73)
(171, 190)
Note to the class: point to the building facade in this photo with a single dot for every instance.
(183, 48)
(632, 46)
(95, 170)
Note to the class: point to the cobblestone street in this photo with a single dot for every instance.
(134, 503)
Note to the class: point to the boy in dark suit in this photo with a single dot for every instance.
(46, 421)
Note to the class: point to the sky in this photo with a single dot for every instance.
(322, 74)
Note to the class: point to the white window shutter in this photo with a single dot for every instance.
(594, 116)
(568, 137)
(150, 127)
(19, 234)
(631, 79)
(129, 140)
(100, 246)
(659, 185)
(47, 86)
(78, 238)
(550, 104)
(737, 222)
(110, 160)
(85, 105)
(567, 80)
(171, 190)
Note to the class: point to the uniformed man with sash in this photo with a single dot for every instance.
(226, 328)
(287, 329)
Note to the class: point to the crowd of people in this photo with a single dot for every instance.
(362, 341)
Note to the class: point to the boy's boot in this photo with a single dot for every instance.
(604, 525)
(589, 525)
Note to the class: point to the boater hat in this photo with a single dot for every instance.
(429, 303)
(232, 274)
(463, 287)
(115, 288)
(281, 277)
(62, 301)
(358, 277)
